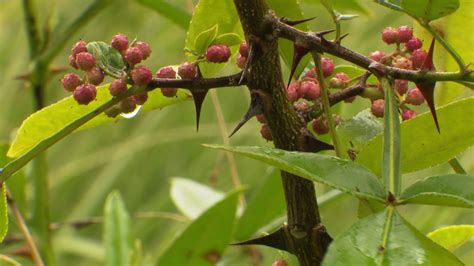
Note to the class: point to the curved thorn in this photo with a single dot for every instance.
(255, 108)
(274, 240)
(295, 22)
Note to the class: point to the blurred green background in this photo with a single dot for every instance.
(139, 156)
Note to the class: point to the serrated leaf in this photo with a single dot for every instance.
(52, 119)
(356, 132)
(191, 197)
(332, 171)
(449, 190)
(117, 233)
(429, 10)
(452, 237)
(231, 39)
(205, 38)
(386, 239)
(206, 238)
(107, 58)
(421, 145)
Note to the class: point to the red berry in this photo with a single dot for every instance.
(320, 126)
(413, 44)
(140, 98)
(169, 92)
(144, 48)
(279, 263)
(85, 61)
(312, 90)
(127, 105)
(311, 73)
(141, 75)
(218, 53)
(377, 107)
(301, 106)
(118, 87)
(95, 76)
(402, 62)
(261, 118)
(377, 55)
(166, 72)
(292, 91)
(72, 61)
(328, 66)
(340, 80)
(79, 47)
(390, 35)
(71, 81)
(401, 86)
(119, 42)
(415, 97)
(133, 56)
(418, 57)
(266, 133)
(85, 93)
(408, 114)
(244, 49)
(241, 61)
(404, 34)
(187, 70)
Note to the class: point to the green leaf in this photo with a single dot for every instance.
(332, 171)
(117, 234)
(346, 17)
(391, 141)
(386, 239)
(107, 58)
(452, 237)
(448, 190)
(392, 4)
(429, 10)
(3, 213)
(231, 39)
(205, 239)
(188, 196)
(52, 119)
(354, 5)
(356, 132)
(267, 204)
(177, 15)
(421, 145)
(204, 39)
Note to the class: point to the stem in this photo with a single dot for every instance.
(25, 231)
(457, 166)
(326, 104)
(446, 45)
(33, 36)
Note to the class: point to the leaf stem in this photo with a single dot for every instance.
(457, 166)
(326, 104)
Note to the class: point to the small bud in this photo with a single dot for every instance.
(292, 91)
(390, 35)
(312, 90)
(408, 114)
(404, 34)
(85, 93)
(119, 42)
(337, 119)
(218, 53)
(301, 90)
(71, 81)
(377, 55)
(328, 66)
(127, 105)
(413, 44)
(72, 61)
(377, 108)
(311, 73)
(241, 61)
(187, 70)
(118, 87)
(85, 61)
(133, 56)
(415, 97)
(266, 133)
(140, 98)
(95, 76)
(79, 47)
(141, 76)
(144, 48)
(401, 86)
(169, 92)
(402, 62)
(418, 57)
(339, 81)
(261, 118)
(301, 106)
(280, 263)
(244, 49)
(320, 125)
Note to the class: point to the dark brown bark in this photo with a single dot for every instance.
(306, 237)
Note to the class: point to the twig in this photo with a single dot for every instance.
(457, 166)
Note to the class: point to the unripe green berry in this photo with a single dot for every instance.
(85, 93)
(85, 61)
(71, 81)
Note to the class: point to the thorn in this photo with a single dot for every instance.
(274, 240)
(248, 63)
(342, 37)
(428, 63)
(295, 22)
(255, 108)
(299, 51)
(315, 145)
(320, 34)
(198, 98)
